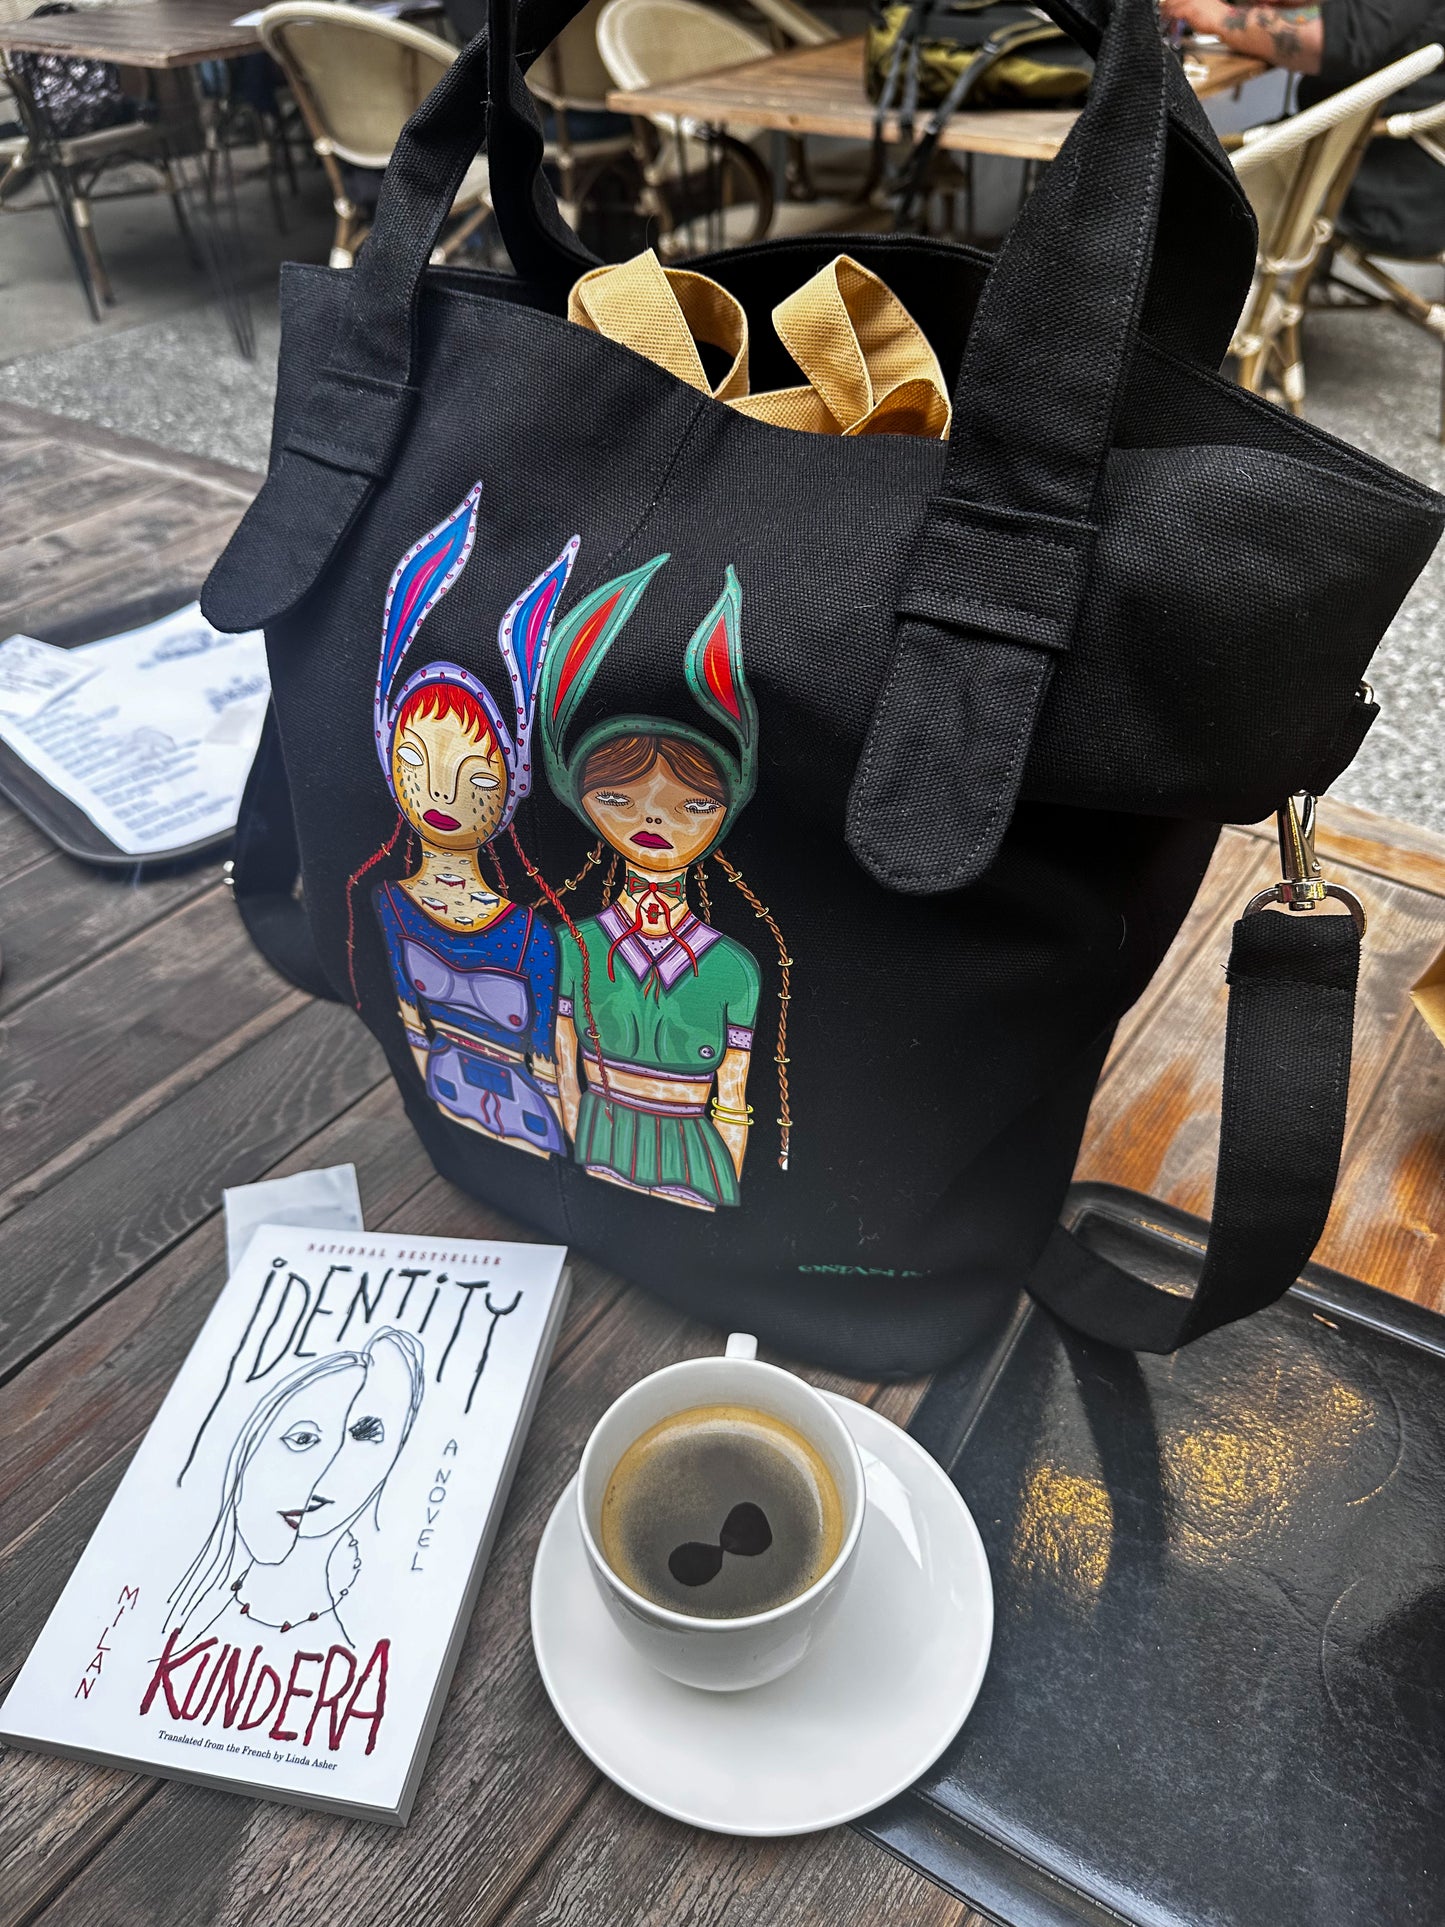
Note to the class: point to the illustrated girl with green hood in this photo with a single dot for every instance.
(656, 1007)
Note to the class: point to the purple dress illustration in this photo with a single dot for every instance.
(475, 974)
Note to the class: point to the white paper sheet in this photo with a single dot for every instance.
(387, 9)
(330, 1198)
(34, 673)
(156, 743)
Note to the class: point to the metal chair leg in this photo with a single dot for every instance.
(90, 251)
(60, 207)
(178, 208)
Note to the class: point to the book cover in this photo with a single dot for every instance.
(274, 1599)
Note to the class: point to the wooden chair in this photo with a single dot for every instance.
(701, 188)
(357, 78)
(1426, 127)
(1296, 173)
(72, 167)
(571, 81)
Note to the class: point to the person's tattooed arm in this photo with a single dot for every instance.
(1285, 36)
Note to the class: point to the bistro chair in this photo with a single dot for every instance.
(1426, 127)
(1296, 173)
(589, 148)
(357, 78)
(79, 128)
(796, 25)
(701, 188)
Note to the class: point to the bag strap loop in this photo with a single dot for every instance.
(997, 573)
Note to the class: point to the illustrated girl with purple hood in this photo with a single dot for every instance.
(475, 973)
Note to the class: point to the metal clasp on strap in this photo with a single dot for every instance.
(1301, 887)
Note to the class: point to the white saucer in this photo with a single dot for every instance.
(859, 1719)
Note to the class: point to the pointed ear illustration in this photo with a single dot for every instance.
(580, 644)
(715, 674)
(420, 580)
(525, 632)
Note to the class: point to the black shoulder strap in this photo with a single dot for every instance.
(1282, 1124)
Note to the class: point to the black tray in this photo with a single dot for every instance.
(1217, 1690)
(60, 819)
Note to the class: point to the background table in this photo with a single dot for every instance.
(150, 1057)
(819, 90)
(163, 36)
(144, 33)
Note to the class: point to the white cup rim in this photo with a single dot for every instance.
(667, 1615)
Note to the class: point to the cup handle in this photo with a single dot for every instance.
(741, 1345)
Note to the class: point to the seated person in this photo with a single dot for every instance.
(1397, 203)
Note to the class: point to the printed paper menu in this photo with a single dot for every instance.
(156, 743)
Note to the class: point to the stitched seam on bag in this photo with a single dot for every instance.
(972, 513)
(1248, 980)
(1028, 711)
(957, 873)
(672, 461)
(975, 619)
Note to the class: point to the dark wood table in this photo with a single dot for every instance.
(150, 1058)
(819, 90)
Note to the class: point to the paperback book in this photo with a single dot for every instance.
(274, 1600)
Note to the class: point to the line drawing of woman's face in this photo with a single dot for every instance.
(658, 821)
(452, 787)
(325, 1454)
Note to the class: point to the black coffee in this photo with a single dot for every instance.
(721, 1511)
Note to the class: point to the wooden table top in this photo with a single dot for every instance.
(139, 33)
(819, 90)
(150, 1058)
(148, 33)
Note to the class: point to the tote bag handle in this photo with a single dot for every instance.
(993, 585)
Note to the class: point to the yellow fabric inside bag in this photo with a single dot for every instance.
(868, 365)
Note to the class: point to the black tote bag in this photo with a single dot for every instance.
(743, 843)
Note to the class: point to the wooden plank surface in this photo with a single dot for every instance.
(1154, 1125)
(820, 90)
(147, 1059)
(139, 33)
(148, 33)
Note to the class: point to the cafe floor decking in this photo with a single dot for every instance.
(149, 1058)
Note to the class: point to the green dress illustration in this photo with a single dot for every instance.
(659, 1016)
(657, 1007)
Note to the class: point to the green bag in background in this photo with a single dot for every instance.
(917, 53)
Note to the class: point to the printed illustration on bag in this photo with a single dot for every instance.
(312, 1458)
(475, 973)
(656, 1007)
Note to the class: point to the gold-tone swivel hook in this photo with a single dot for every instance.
(1301, 887)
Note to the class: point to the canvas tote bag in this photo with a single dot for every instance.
(742, 842)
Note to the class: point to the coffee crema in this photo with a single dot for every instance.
(721, 1511)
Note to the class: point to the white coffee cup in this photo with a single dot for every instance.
(721, 1655)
